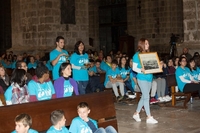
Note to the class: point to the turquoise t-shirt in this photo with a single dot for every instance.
(112, 73)
(124, 72)
(79, 60)
(29, 131)
(30, 65)
(80, 126)
(93, 69)
(141, 76)
(182, 72)
(53, 130)
(42, 91)
(53, 55)
(195, 74)
(68, 89)
(104, 66)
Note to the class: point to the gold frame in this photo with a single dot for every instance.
(150, 62)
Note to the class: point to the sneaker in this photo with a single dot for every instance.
(168, 97)
(165, 99)
(137, 117)
(160, 99)
(131, 96)
(151, 120)
(119, 98)
(153, 100)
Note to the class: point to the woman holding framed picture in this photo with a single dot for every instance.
(144, 82)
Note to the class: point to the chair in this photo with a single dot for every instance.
(171, 82)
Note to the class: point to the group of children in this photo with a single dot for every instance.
(80, 124)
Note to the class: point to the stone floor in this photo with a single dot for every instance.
(170, 120)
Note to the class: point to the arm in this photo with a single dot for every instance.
(33, 98)
(55, 61)
(184, 80)
(135, 68)
(76, 67)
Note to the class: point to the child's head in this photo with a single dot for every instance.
(83, 110)
(98, 63)
(91, 62)
(23, 122)
(114, 64)
(58, 118)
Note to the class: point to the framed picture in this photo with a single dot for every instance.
(150, 62)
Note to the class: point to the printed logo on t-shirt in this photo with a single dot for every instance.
(68, 88)
(62, 59)
(86, 130)
(83, 61)
(44, 93)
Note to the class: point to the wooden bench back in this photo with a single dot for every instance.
(171, 80)
(101, 105)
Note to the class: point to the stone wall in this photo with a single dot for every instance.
(36, 24)
(191, 20)
(158, 19)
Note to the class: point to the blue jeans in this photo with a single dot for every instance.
(108, 129)
(145, 88)
(128, 85)
(82, 86)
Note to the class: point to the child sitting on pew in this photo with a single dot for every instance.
(83, 124)
(58, 121)
(23, 123)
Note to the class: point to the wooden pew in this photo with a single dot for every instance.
(171, 82)
(101, 105)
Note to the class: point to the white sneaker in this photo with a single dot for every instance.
(131, 96)
(151, 120)
(137, 117)
(165, 99)
(160, 99)
(168, 97)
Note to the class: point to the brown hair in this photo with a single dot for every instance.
(25, 119)
(141, 45)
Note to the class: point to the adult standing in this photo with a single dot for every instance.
(58, 56)
(144, 82)
(78, 60)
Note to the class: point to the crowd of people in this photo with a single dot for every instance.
(79, 73)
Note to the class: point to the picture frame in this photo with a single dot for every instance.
(150, 62)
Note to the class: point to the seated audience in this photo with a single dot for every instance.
(125, 73)
(23, 124)
(32, 63)
(113, 80)
(194, 70)
(41, 87)
(4, 79)
(184, 78)
(106, 65)
(83, 124)
(58, 121)
(64, 85)
(22, 65)
(17, 92)
(94, 84)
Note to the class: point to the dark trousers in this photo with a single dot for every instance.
(94, 84)
(192, 87)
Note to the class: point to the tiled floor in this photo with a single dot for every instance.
(170, 120)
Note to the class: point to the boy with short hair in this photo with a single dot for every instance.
(113, 80)
(58, 121)
(23, 123)
(84, 124)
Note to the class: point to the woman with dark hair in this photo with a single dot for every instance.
(17, 92)
(144, 82)
(80, 60)
(64, 85)
(4, 80)
(41, 87)
(125, 73)
(194, 70)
